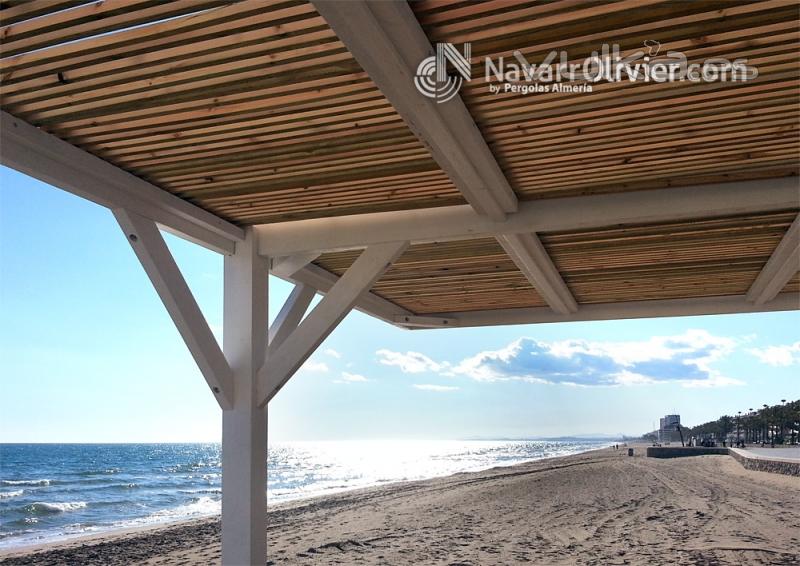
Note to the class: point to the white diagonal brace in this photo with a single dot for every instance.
(287, 359)
(289, 265)
(779, 269)
(45, 157)
(151, 249)
(389, 44)
(323, 280)
(532, 259)
(291, 314)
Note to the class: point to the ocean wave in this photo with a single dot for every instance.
(107, 471)
(199, 506)
(44, 508)
(10, 494)
(24, 482)
(214, 490)
(191, 466)
(9, 534)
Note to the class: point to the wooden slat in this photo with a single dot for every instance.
(26, 10)
(98, 17)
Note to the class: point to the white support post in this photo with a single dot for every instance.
(291, 314)
(780, 268)
(244, 426)
(533, 260)
(287, 359)
(154, 255)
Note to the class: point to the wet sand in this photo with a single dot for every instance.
(598, 508)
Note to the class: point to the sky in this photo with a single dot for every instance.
(89, 354)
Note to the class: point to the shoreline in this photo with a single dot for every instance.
(585, 508)
(111, 531)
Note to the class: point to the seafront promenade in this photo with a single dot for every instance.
(778, 452)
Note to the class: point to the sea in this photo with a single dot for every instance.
(53, 492)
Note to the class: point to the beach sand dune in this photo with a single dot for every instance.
(599, 508)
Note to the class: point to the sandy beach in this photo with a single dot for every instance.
(598, 508)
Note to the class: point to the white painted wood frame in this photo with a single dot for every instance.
(782, 265)
(149, 246)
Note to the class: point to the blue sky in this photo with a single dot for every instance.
(88, 354)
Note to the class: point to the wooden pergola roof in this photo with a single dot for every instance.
(259, 113)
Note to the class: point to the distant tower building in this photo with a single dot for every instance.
(668, 425)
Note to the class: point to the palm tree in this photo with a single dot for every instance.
(783, 420)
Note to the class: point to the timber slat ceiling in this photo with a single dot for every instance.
(706, 258)
(714, 257)
(446, 277)
(257, 112)
(253, 110)
(626, 136)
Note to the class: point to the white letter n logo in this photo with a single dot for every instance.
(432, 79)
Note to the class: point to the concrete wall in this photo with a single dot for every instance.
(682, 451)
(761, 464)
(748, 461)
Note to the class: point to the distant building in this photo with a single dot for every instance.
(668, 425)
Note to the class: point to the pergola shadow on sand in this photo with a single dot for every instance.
(289, 137)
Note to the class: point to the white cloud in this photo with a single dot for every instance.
(410, 362)
(333, 353)
(778, 355)
(432, 387)
(318, 367)
(686, 359)
(348, 377)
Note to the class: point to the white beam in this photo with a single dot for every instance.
(532, 259)
(289, 265)
(782, 265)
(412, 321)
(290, 315)
(451, 223)
(388, 42)
(164, 273)
(244, 426)
(369, 303)
(45, 157)
(625, 310)
(287, 359)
